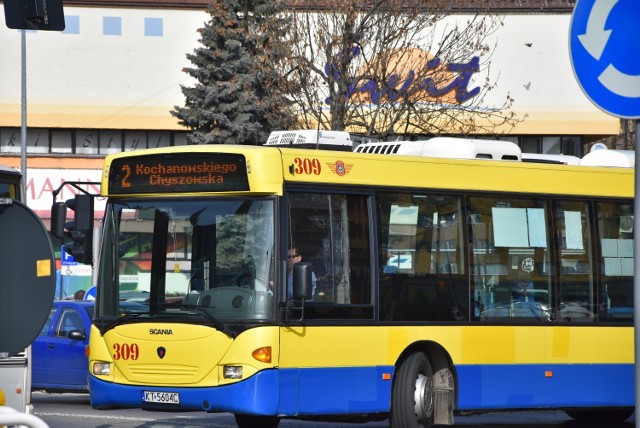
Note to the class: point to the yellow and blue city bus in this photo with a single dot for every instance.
(291, 283)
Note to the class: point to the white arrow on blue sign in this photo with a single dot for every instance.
(91, 293)
(604, 45)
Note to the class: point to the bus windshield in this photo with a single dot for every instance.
(209, 258)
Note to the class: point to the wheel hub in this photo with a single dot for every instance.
(423, 397)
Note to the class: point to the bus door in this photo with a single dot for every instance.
(331, 231)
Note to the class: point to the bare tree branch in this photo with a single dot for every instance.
(388, 67)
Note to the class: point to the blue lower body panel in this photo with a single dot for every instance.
(545, 386)
(290, 392)
(335, 391)
(361, 390)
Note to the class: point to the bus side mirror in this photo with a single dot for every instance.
(80, 228)
(302, 281)
(58, 219)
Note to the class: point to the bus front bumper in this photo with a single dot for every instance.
(256, 395)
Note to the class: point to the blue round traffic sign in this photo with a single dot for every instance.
(91, 293)
(604, 45)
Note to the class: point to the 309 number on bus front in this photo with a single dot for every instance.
(126, 351)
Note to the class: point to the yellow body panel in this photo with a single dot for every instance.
(193, 355)
(270, 167)
(372, 346)
(453, 174)
(196, 354)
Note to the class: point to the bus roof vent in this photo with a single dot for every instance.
(548, 158)
(379, 148)
(601, 156)
(311, 139)
(447, 147)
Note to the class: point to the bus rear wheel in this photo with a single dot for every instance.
(254, 421)
(412, 395)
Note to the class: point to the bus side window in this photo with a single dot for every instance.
(615, 237)
(422, 258)
(510, 248)
(576, 285)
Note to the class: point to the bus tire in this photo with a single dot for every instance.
(412, 394)
(610, 416)
(255, 421)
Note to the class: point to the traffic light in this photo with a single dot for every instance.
(80, 229)
(34, 14)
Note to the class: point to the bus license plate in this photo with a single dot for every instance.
(161, 397)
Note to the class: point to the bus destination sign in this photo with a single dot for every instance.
(177, 173)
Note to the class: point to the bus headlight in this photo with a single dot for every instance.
(101, 368)
(232, 372)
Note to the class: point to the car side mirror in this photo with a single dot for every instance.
(76, 335)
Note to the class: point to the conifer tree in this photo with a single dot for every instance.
(237, 97)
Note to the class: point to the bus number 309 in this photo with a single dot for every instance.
(126, 351)
(307, 166)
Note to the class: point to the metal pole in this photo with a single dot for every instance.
(636, 271)
(23, 126)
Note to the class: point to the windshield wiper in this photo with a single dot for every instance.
(216, 323)
(122, 318)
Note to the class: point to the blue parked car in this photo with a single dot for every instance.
(59, 362)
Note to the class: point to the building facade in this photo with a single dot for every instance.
(108, 82)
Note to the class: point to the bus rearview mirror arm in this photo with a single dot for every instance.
(291, 306)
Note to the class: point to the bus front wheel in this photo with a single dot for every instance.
(412, 394)
(254, 421)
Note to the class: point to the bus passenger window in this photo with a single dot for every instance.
(510, 257)
(421, 258)
(615, 237)
(576, 288)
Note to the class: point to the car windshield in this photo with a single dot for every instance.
(199, 258)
